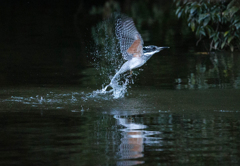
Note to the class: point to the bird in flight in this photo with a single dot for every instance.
(131, 46)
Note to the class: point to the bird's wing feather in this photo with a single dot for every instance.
(129, 38)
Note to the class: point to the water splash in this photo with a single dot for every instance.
(116, 88)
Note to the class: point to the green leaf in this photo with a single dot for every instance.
(237, 25)
(226, 33)
(198, 30)
(178, 9)
(236, 20)
(233, 10)
(189, 18)
(202, 32)
(236, 34)
(213, 34)
(193, 4)
(192, 26)
(180, 13)
(223, 44)
(193, 9)
(231, 48)
(215, 45)
(206, 21)
(215, 38)
(210, 27)
(230, 4)
(213, 16)
(178, 3)
(202, 16)
(185, 1)
(230, 39)
(208, 30)
(219, 18)
(205, 5)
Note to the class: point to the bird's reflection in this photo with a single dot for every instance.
(134, 136)
(132, 141)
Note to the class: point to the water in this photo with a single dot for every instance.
(149, 126)
(180, 108)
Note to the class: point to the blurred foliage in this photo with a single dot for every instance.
(106, 10)
(218, 20)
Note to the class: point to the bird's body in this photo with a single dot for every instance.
(131, 46)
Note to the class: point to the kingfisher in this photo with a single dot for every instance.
(131, 46)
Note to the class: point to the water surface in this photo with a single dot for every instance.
(149, 126)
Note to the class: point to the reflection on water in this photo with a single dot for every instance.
(131, 146)
(134, 137)
(148, 127)
(117, 136)
(214, 70)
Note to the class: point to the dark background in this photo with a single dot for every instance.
(46, 43)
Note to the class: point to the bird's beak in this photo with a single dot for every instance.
(161, 48)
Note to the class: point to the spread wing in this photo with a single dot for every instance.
(131, 43)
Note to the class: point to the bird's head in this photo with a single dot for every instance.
(148, 51)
